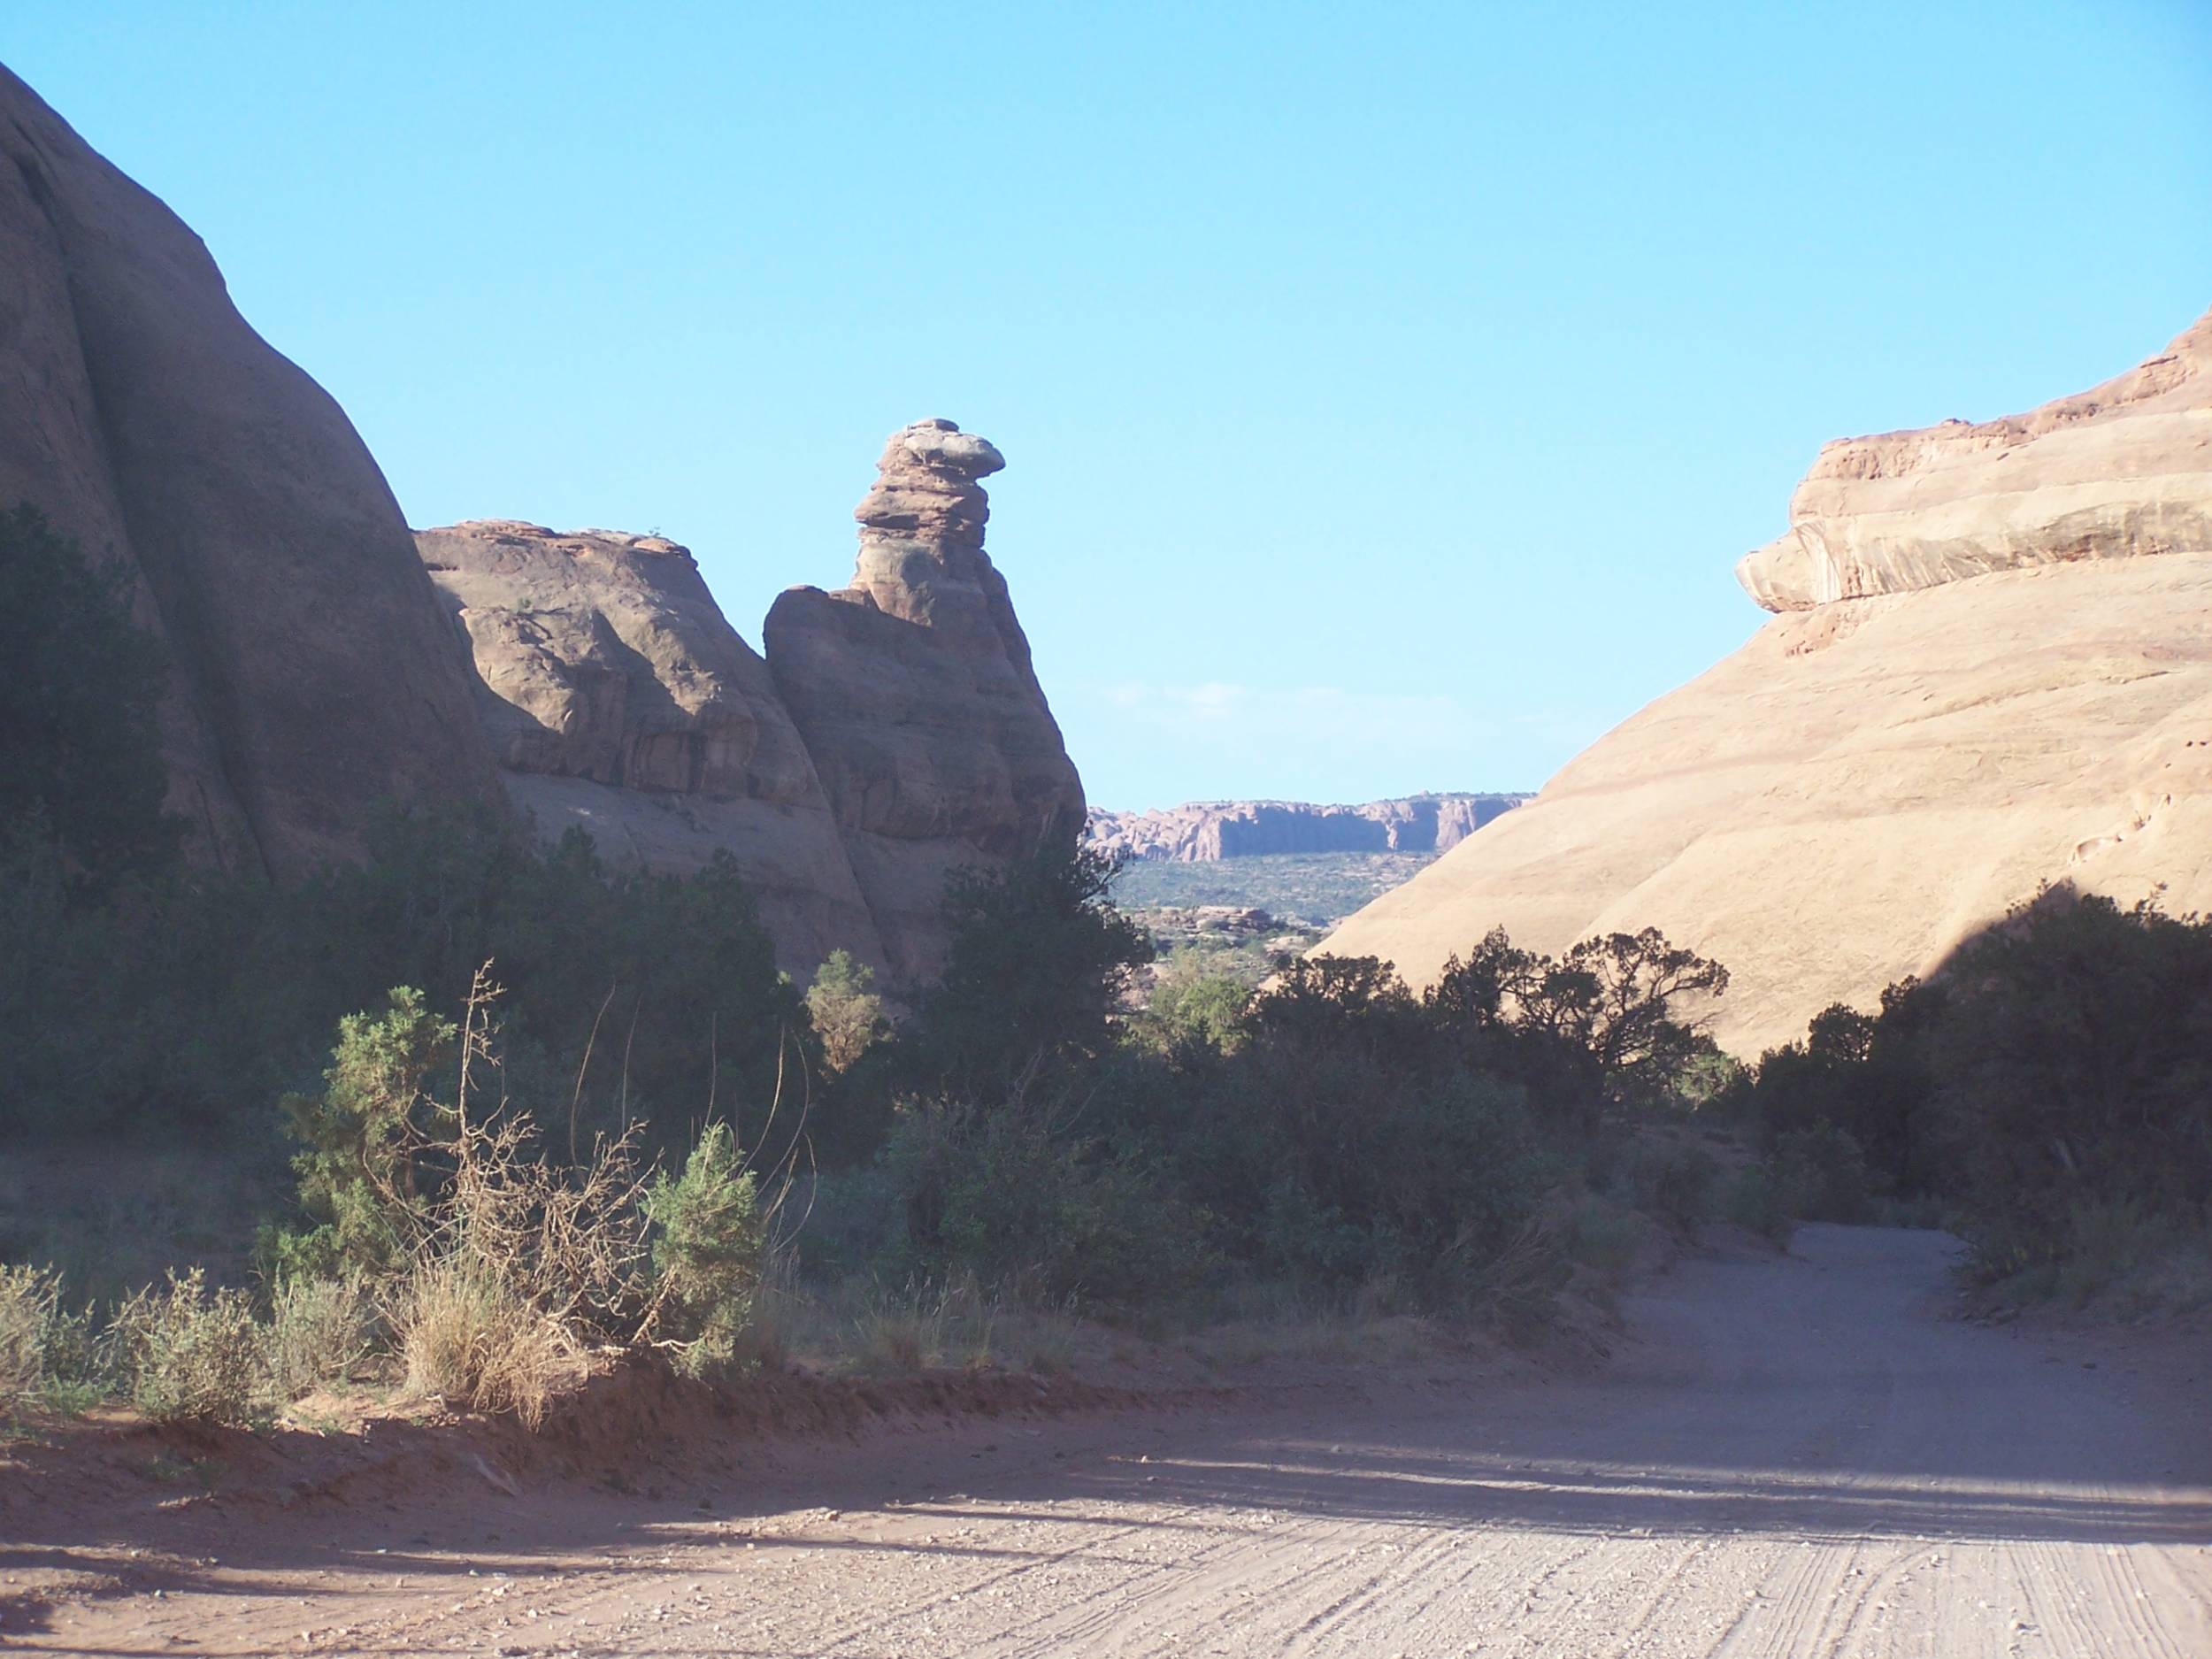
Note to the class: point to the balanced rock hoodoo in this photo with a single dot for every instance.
(895, 733)
(913, 691)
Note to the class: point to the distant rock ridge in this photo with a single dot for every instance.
(1994, 670)
(895, 731)
(1203, 831)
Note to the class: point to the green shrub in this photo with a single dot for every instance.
(1012, 1197)
(2058, 1065)
(1758, 1198)
(319, 1331)
(360, 1184)
(1824, 1172)
(1674, 1182)
(707, 1250)
(1603, 1236)
(192, 1353)
(846, 1012)
(1191, 1007)
(1036, 965)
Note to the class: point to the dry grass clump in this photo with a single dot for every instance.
(30, 1307)
(468, 1335)
(960, 1325)
(899, 1333)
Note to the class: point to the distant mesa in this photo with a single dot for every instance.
(1992, 669)
(1204, 831)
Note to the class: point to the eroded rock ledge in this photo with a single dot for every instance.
(2123, 470)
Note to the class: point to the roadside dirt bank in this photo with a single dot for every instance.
(1801, 1454)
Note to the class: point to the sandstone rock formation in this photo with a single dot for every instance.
(312, 671)
(2123, 470)
(1202, 830)
(617, 699)
(1873, 777)
(318, 668)
(913, 691)
(896, 732)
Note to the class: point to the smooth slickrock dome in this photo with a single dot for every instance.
(913, 691)
(1873, 777)
(312, 671)
(617, 698)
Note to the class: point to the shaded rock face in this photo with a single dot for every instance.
(617, 699)
(1203, 831)
(311, 672)
(317, 667)
(894, 733)
(1869, 781)
(2123, 470)
(913, 691)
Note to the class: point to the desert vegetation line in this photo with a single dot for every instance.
(517, 1108)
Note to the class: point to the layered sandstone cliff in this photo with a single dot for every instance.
(1994, 671)
(1201, 832)
(2123, 470)
(311, 672)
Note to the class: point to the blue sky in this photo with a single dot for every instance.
(1386, 390)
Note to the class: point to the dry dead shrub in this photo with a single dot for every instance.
(520, 1266)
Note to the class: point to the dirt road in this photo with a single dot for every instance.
(1796, 1456)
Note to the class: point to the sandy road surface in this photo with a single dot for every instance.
(1793, 1456)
